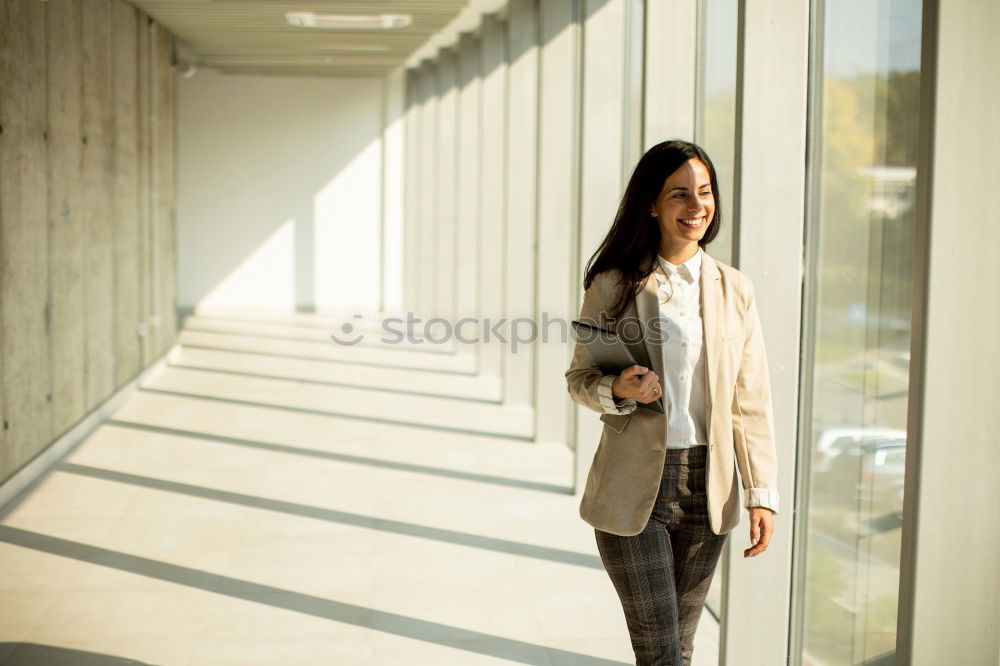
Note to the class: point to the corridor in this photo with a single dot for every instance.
(213, 212)
(264, 500)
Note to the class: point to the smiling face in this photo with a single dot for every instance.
(685, 205)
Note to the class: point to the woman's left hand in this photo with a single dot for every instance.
(761, 529)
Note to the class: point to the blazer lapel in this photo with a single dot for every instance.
(647, 303)
(711, 319)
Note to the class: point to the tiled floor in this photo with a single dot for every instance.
(252, 507)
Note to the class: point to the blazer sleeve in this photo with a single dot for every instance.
(753, 419)
(586, 383)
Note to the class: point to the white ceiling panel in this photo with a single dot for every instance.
(252, 36)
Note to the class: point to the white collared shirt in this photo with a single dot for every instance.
(685, 377)
(684, 371)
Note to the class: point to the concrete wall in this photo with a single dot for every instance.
(87, 230)
(280, 193)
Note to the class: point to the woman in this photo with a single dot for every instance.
(662, 492)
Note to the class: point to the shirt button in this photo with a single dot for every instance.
(682, 313)
(684, 344)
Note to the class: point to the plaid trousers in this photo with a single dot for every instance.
(662, 574)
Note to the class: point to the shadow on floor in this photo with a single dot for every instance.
(33, 654)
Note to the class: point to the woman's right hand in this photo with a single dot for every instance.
(637, 382)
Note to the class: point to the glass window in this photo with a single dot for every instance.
(715, 107)
(864, 92)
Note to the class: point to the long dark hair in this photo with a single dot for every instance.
(634, 238)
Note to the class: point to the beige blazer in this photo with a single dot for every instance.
(624, 477)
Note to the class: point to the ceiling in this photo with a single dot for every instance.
(252, 36)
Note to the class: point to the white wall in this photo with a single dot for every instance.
(279, 192)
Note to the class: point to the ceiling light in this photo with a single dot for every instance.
(356, 48)
(347, 21)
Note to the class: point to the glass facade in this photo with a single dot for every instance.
(811, 116)
(864, 94)
(715, 107)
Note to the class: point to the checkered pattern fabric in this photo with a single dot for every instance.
(662, 574)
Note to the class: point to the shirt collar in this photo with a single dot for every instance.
(689, 270)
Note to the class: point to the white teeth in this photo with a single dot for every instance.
(693, 223)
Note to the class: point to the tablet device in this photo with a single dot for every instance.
(609, 353)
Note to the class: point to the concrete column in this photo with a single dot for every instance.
(413, 195)
(558, 192)
(769, 207)
(468, 183)
(446, 195)
(603, 145)
(522, 169)
(671, 61)
(493, 73)
(633, 86)
(427, 220)
(949, 583)
(393, 187)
